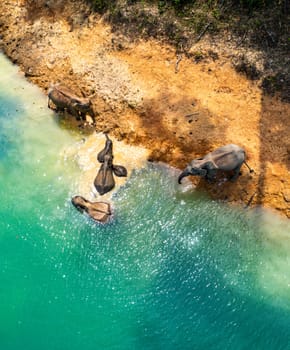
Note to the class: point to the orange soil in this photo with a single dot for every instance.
(178, 109)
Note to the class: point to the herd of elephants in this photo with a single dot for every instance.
(228, 158)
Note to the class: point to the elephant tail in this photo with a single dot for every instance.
(250, 169)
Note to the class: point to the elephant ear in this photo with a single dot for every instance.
(211, 170)
(202, 172)
(119, 170)
(209, 166)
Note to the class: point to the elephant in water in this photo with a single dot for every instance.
(226, 158)
(104, 181)
(118, 170)
(99, 211)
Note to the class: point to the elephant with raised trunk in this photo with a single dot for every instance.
(108, 150)
(118, 170)
(104, 181)
(226, 158)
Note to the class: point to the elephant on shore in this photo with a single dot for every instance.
(226, 158)
(104, 181)
(65, 99)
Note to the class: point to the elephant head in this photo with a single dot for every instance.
(194, 168)
(108, 150)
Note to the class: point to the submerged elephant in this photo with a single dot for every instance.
(104, 181)
(99, 211)
(226, 158)
(65, 99)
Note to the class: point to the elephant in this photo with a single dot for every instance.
(107, 150)
(104, 181)
(64, 99)
(118, 170)
(226, 158)
(99, 211)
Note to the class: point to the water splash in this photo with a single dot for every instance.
(86, 158)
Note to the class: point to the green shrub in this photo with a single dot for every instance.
(99, 4)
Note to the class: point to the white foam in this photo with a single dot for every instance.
(131, 157)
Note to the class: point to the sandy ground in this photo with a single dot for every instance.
(147, 95)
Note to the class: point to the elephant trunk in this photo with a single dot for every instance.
(182, 175)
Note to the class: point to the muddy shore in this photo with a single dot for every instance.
(146, 94)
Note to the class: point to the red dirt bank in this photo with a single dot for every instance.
(141, 98)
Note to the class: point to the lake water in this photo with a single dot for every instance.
(172, 270)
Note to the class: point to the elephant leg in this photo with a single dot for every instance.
(211, 171)
(76, 114)
(236, 173)
(72, 109)
(82, 115)
(210, 175)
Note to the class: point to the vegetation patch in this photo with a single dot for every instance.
(279, 82)
(240, 25)
(244, 66)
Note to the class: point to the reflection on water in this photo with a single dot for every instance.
(173, 270)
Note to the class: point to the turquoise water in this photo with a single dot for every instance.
(173, 270)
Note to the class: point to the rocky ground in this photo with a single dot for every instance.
(180, 105)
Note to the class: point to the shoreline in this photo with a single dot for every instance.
(141, 99)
